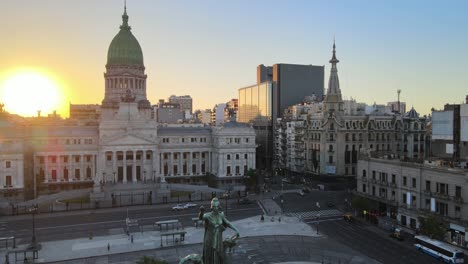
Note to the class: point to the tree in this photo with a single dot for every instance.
(150, 260)
(360, 203)
(252, 177)
(432, 227)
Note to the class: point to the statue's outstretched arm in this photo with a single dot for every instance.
(230, 225)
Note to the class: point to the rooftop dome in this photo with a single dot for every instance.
(124, 48)
(412, 113)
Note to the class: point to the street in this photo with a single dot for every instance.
(71, 225)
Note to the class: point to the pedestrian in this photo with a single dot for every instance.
(108, 246)
(279, 219)
(262, 218)
(131, 238)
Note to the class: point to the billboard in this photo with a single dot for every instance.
(442, 125)
(464, 122)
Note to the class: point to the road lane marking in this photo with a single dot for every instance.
(123, 221)
(324, 220)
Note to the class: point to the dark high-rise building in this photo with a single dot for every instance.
(278, 87)
(293, 83)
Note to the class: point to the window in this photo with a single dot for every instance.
(364, 188)
(77, 173)
(373, 174)
(148, 155)
(54, 159)
(428, 186)
(229, 157)
(165, 156)
(237, 156)
(428, 204)
(404, 181)
(330, 148)
(8, 164)
(109, 157)
(203, 155)
(457, 209)
(245, 156)
(246, 140)
(237, 170)
(458, 191)
(373, 190)
(393, 178)
(194, 155)
(192, 140)
(414, 183)
(77, 158)
(364, 173)
(228, 170)
(8, 181)
(88, 158)
(65, 159)
(330, 159)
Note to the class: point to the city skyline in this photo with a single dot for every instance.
(213, 48)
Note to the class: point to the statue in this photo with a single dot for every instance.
(213, 244)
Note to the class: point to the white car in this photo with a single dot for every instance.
(190, 205)
(179, 207)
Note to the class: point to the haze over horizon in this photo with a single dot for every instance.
(209, 49)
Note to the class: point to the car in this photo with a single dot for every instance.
(397, 234)
(348, 218)
(306, 190)
(245, 201)
(190, 205)
(179, 207)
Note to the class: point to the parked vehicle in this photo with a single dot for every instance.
(348, 218)
(306, 190)
(397, 234)
(179, 207)
(190, 205)
(439, 250)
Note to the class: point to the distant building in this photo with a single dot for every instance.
(217, 115)
(169, 113)
(85, 111)
(230, 112)
(449, 138)
(204, 116)
(185, 102)
(396, 107)
(328, 141)
(405, 191)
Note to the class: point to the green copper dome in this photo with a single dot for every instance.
(124, 48)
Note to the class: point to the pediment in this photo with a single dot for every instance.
(127, 139)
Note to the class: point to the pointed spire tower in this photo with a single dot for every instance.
(333, 100)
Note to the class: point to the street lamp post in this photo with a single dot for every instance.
(34, 245)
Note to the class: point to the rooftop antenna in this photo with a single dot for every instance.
(399, 91)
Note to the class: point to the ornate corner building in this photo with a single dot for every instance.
(125, 145)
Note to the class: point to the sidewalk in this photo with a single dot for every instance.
(119, 242)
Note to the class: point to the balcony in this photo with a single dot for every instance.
(393, 185)
(364, 179)
(442, 196)
(458, 199)
(383, 183)
(373, 180)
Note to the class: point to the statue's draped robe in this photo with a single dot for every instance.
(213, 251)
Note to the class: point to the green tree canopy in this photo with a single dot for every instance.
(432, 227)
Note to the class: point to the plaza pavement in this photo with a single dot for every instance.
(119, 242)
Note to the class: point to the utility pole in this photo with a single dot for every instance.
(399, 91)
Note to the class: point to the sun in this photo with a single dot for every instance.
(25, 92)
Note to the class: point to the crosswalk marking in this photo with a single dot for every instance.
(313, 214)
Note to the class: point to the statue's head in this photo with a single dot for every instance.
(215, 204)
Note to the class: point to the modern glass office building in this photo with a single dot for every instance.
(255, 104)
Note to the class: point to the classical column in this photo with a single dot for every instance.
(124, 159)
(190, 164)
(134, 179)
(114, 165)
(199, 162)
(82, 167)
(47, 176)
(180, 166)
(171, 165)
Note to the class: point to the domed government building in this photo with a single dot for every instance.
(125, 146)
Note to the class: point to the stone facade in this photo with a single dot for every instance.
(406, 191)
(125, 145)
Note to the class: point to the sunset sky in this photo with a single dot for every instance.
(209, 49)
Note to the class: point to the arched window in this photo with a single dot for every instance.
(364, 173)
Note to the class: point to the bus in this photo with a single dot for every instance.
(439, 250)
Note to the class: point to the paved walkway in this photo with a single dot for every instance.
(119, 242)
